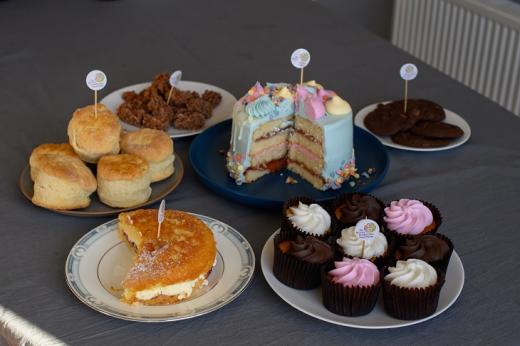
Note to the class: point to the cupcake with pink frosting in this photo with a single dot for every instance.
(350, 287)
(407, 218)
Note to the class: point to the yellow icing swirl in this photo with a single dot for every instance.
(337, 106)
(284, 93)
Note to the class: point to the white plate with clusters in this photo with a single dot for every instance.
(451, 118)
(310, 301)
(99, 261)
(222, 112)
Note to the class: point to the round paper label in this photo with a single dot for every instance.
(367, 229)
(175, 78)
(96, 80)
(160, 214)
(300, 58)
(408, 71)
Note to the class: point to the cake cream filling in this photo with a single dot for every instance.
(182, 289)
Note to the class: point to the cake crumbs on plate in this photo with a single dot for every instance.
(291, 181)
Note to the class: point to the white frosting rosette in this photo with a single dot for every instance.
(352, 245)
(412, 273)
(310, 219)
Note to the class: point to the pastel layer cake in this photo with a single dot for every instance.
(303, 128)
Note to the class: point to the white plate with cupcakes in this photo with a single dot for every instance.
(192, 108)
(133, 269)
(425, 126)
(361, 264)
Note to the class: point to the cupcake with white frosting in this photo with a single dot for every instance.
(374, 250)
(411, 289)
(304, 216)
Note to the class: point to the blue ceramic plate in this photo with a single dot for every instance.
(207, 156)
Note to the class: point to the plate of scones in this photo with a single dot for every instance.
(361, 263)
(424, 126)
(184, 110)
(102, 170)
(130, 269)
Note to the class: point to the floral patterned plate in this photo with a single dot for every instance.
(98, 262)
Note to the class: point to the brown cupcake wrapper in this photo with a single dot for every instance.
(401, 238)
(412, 303)
(443, 264)
(288, 227)
(291, 271)
(347, 301)
(338, 224)
(440, 264)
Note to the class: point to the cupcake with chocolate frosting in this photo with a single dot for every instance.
(350, 287)
(349, 208)
(298, 259)
(411, 289)
(374, 250)
(434, 249)
(407, 218)
(306, 217)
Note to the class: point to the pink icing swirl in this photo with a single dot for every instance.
(408, 216)
(355, 272)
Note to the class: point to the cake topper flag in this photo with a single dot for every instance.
(160, 217)
(366, 229)
(408, 72)
(175, 78)
(300, 58)
(96, 80)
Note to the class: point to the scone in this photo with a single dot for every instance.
(62, 182)
(166, 269)
(123, 180)
(91, 136)
(63, 149)
(154, 146)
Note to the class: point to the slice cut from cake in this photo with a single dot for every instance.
(305, 128)
(169, 268)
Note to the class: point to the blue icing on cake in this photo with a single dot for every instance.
(267, 116)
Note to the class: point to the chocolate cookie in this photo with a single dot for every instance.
(436, 130)
(387, 121)
(422, 109)
(412, 140)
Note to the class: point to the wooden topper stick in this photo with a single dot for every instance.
(362, 248)
(169, 96)
(301, 75)
(95, 104)
(405, 95)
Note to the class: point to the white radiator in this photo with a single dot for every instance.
(468, 40)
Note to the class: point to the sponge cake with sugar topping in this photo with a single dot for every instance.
(166, 269)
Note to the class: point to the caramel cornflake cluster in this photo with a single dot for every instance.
(186, 110)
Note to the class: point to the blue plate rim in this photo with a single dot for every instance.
(238, 196)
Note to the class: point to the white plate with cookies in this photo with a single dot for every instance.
(98, 262)
(452, 118)
(220, 113)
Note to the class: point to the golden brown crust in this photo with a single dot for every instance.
(91, 136)
(185, 250)
(152, 145)
(68, 168)
(63, 149)
(122, 167)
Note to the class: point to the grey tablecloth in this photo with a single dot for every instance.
(45, 51)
